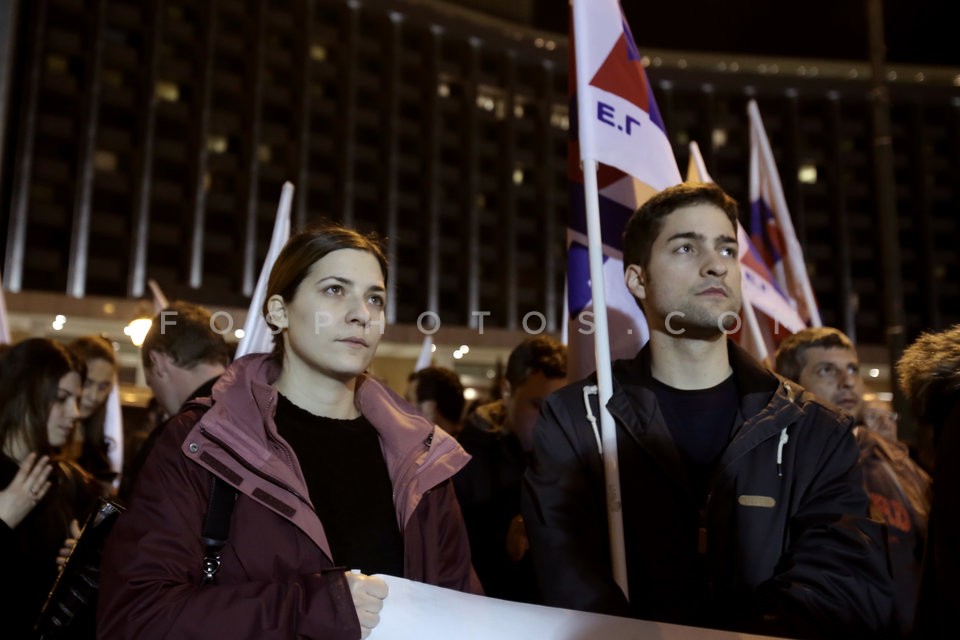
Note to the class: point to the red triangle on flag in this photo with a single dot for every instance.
(622, 76)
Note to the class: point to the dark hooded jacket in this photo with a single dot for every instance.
(278, 578)
(782, 544)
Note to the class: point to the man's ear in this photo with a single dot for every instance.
(160, 363)
(505, 389)
(636, 281)
(277, 311)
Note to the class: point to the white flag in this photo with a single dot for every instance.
(257, 337)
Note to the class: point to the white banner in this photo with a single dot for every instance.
(417, 610)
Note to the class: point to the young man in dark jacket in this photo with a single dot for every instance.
(743, 507)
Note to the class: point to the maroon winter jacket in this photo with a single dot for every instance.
(278, 578)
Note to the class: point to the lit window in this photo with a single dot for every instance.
(104, 161)
(719, 138)
(318, 53)
(167, 91)
(217, 144)
(807, 174)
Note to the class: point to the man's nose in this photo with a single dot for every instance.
(714, 265)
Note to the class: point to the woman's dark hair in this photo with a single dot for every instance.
(302, 251)
(89, 348)
(30, 373)
(92, 455)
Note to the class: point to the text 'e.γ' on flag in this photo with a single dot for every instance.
(771, 227)
(626, 135)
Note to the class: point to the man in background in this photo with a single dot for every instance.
(825, 362)
(183, 356)
(438, 393)
(499, 437)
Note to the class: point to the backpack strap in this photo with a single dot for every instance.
(216, 522)
(216, 526)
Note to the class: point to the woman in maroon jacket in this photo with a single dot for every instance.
(334, 473)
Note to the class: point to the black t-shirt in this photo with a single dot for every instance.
(700, 421)
(349, 486)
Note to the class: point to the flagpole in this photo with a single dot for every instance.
(753, 328)
(601, 342)
(608, 433)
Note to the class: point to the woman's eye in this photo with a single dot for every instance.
(684, 248)
(335, 289)
(377, 300)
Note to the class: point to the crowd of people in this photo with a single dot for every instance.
(277, 487)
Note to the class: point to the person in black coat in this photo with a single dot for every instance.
(742, 503)
(40, 385)
(929, 375)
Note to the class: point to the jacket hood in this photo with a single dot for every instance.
(929, 374)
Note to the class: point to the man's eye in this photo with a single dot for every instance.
(377, 301)
(684, 248)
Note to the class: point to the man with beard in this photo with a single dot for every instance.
(743, 506)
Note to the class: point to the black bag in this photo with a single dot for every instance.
(70, 610)
(71, 606)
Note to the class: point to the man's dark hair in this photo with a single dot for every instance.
(442, 386)
(185, 332)
(790, 354)
(645, 224)
(541, 353)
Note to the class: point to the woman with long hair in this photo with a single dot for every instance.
(333, 471)
(40, 384)
(89, 446)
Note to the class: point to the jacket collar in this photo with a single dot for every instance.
(766, 405)
(240, 434)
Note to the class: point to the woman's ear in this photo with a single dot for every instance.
(277, 312)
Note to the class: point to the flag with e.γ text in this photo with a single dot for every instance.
(627, 136)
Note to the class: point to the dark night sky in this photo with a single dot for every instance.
(923, 32)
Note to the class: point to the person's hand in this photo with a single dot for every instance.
(69, 543)
(25, 490)
(517, 543)
(368, 593)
